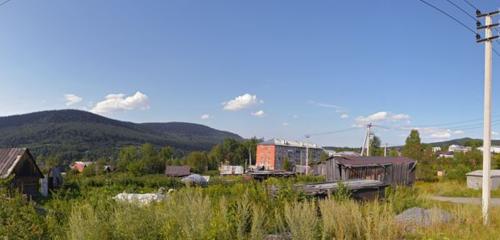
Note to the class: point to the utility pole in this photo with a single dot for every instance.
(366, 143)
(307, 159)
(488, 39)
(385, 150)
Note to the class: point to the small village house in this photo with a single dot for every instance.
(19, 163)
(389, 170)
(79, 166)
(459, 148)
(177, 171)
(231, 170)
(446, 155)
(493, 149)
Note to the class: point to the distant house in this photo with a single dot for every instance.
(347, 153)
(389, 170)
(436, 149)
(446, 155)
(80, 166)
(458, 148)
(493, 149)
(19, 162)
(177, 171)
(231, 170)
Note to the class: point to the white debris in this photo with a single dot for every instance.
(141, 198)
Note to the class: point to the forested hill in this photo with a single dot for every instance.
(74, 134)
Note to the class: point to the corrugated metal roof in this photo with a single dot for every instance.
(367, 161)
(282, 142)
(177, 171)
(8, 159)
(479, 173)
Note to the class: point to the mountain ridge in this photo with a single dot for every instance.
(74, 134)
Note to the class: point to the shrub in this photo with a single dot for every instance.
(302, 220)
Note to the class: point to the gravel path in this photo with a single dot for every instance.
(465, 200)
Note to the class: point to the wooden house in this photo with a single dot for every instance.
(21, 165)
(389, 170)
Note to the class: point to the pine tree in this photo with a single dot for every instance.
(413, 147)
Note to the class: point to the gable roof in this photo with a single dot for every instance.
(177, 171)
(10, 157)
(354, 161)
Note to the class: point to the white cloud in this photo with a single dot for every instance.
(494, 133)
(259, 113)
(382, 117)
(120, 102)
(72, 99)
(205, 116)
(344, 115)
(325, 105)
(241, 102)
(400, 117)
(438, 133)
(441, 135)
(285, 124)
(295, 116)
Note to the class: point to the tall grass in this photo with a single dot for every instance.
(352, 220)
(250, 210)
(302, 220)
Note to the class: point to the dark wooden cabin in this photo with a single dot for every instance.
(389, 170)
(19, 163)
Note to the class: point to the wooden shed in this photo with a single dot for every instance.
(389, 170)
(19, 162)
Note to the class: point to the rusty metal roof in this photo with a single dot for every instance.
(177, 171)
(9, 157)
(372, 161)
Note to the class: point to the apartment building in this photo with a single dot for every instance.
(271, 155)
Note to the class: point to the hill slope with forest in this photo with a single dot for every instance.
(74, 134)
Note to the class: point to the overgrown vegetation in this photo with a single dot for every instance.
(229, 208)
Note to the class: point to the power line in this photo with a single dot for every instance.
(331, 132)
(448, 15)
(471, 5)
(461, 9)
(4, 2)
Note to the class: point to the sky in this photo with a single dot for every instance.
(263, 68)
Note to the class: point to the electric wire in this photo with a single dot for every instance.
(462, 10)
(4, 2)
(471, 5)
(448, 15)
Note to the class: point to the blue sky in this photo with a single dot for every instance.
(299, 66)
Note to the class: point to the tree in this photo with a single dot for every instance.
(375, 149)
(393, 153)
(473, 143)
(413, 147)
(198, 161)
(150, 159)
(287, 165)
(127, 156)
(167, 155)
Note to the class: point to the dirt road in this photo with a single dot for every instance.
(465, 200)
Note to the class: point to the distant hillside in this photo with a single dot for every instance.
(74, 133)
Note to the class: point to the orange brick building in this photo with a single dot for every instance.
(271, 155)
